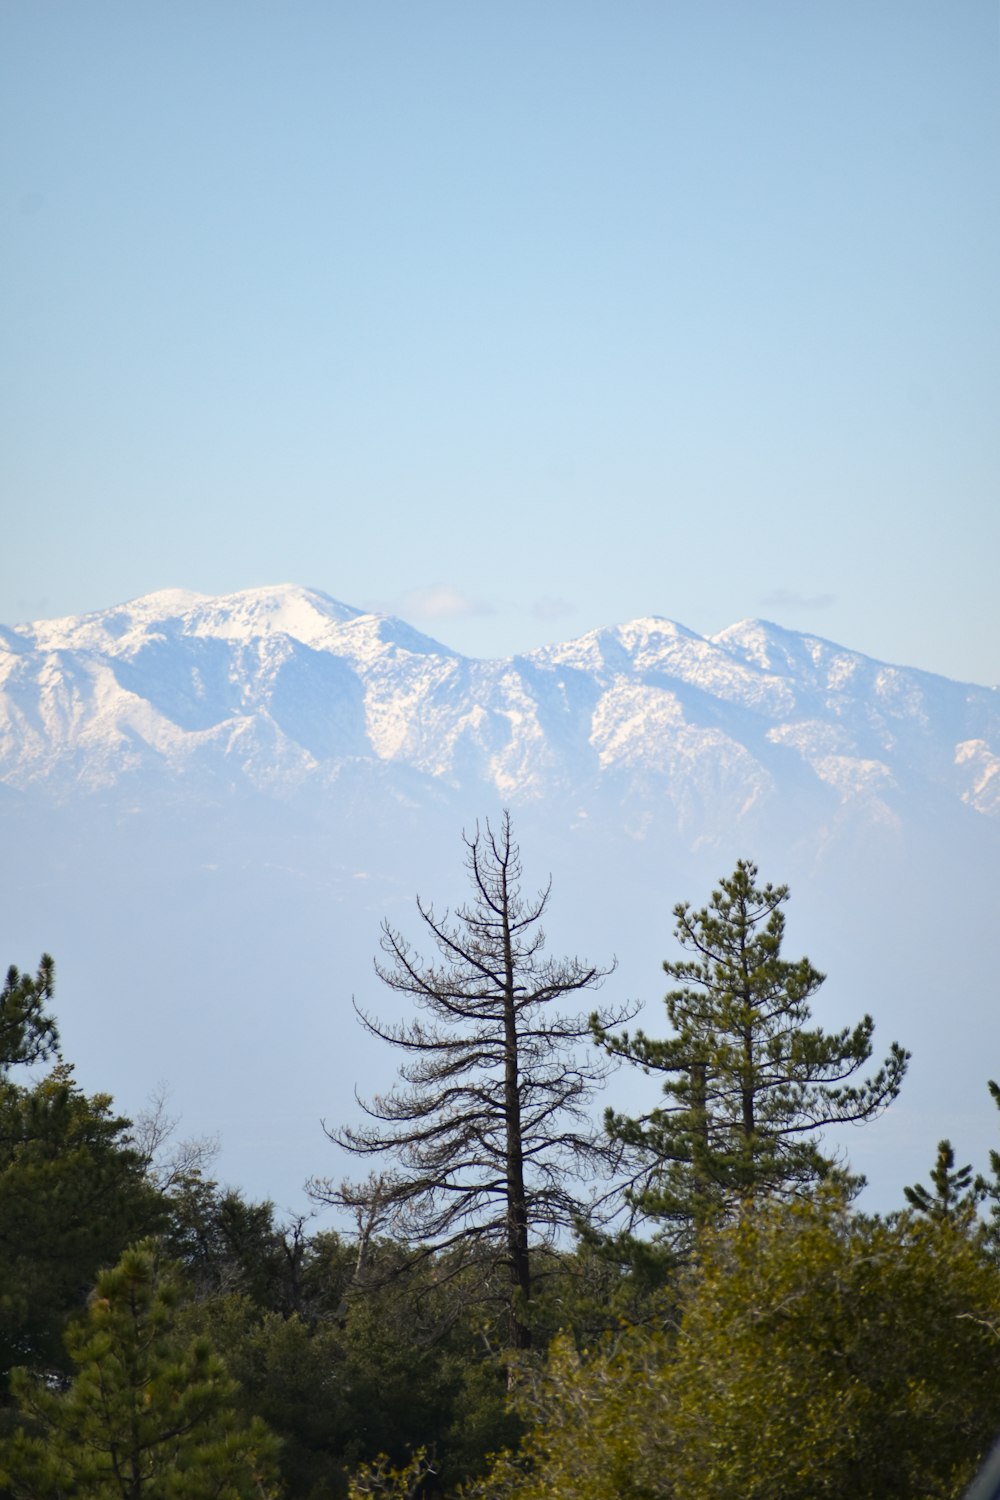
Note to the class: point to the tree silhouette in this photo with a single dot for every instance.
(493, 1149)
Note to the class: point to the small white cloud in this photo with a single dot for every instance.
(439, 601)
(552, 609)
(789, 599)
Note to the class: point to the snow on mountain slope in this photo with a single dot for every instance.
(304, 614)
(280, 687)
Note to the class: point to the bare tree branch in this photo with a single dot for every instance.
(496, 1152)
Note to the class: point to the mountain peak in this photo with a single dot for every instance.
(622, 646)
(306, 615)
(774, 648)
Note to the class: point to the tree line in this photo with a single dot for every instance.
(529, 1302)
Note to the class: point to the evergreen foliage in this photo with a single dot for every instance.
(147, 1416)
(408, 1362)
(28, 1033)
(748, 1082)
(72, 1196)
(954, 1194)
(73, 1190)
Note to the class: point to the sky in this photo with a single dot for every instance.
(515, 320)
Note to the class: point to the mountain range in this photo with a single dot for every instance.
(276, 688)
(207, 806)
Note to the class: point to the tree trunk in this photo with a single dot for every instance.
(517, 1210)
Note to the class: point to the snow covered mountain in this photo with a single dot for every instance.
(279, 688)
(208, 805)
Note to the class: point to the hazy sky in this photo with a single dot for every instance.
(515, 319)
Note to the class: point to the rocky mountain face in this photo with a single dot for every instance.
(281, 689)
(207, 806)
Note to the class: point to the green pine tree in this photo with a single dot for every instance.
(953, 1195)
(27, 1031)
(748, 1082)
(148, 1416)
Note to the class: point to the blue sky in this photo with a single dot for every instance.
(514, 319)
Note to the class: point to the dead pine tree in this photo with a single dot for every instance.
(492, 1146)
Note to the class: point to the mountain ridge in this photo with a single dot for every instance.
(279, 685)
(42, 631)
